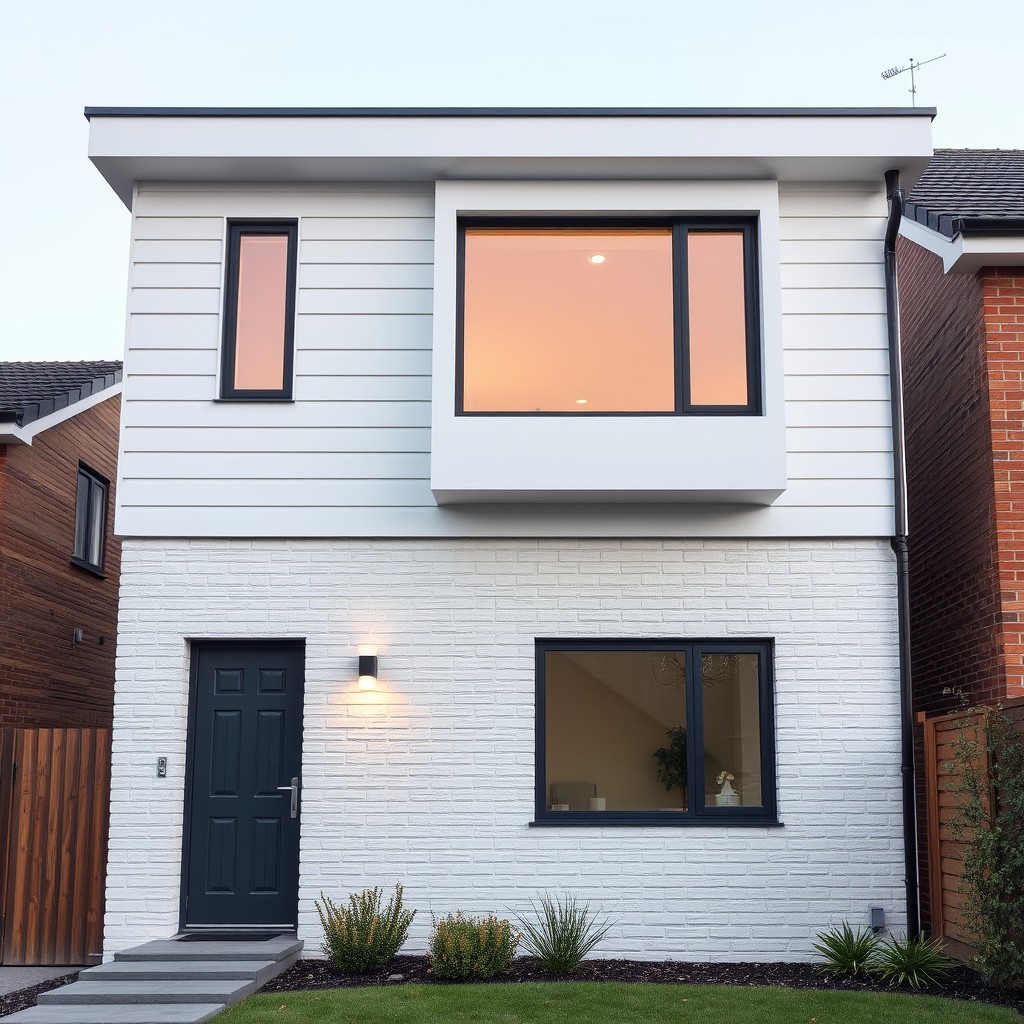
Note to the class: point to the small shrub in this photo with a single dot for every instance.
(471, 947)
(846, 953)
(913, 962)
(565, 932)
(361, 937)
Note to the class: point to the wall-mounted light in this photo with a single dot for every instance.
(367, 671)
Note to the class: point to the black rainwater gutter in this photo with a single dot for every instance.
(894, 194)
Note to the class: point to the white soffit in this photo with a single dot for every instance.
(966, 254)
(209, 147)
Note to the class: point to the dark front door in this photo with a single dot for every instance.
(242, 848)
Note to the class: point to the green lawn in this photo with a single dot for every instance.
(605, 1003)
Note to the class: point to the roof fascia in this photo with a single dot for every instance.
(11, 433)
(376, 146)
(411, 112)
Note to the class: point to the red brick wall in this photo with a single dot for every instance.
(45, 681)
(1003, 291)
(954, 575)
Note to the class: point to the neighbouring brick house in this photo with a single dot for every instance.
(59, 574)
(962, 312)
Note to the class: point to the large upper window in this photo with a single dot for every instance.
(654, 731)
(610, 316)
(90, 520)
(259, 311)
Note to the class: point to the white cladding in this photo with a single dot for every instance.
(430, 782)
(351, 455)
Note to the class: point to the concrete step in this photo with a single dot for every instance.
(118, 1013)
(170, 949)
(85, 993)
(182, 970)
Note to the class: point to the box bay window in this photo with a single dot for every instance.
(654, 732)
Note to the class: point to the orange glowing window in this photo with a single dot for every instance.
(259, 311)
(717, 315)
(561, 319)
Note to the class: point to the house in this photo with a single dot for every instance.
(508, 503)
(59, 567)
(962, 273)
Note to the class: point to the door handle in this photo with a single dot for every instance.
(294, 790)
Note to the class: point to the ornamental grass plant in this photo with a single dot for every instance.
(913, 962)
(845, 953)
(564, 933)
(361, 937)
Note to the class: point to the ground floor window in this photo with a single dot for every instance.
(655, 731)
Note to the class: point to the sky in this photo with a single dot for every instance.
(64, 252)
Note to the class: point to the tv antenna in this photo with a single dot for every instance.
(911, 67)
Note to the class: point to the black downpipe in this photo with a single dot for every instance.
(894, 194)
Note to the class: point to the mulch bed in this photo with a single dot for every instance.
(26, 997)
(959, 983)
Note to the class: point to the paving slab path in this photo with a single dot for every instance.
(165, 982)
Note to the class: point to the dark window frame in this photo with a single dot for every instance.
(696, 814)
(92, 479)
(236, 230)
(680, 226)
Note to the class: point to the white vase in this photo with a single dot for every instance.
(728, 797)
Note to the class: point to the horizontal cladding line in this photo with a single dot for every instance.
(302, 401)
(264, 479)
(292, 508)
(361, 287)
(289, 452)
(378, 263)
(390, 312)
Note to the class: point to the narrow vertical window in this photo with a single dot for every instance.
(259, 310)
(717, 293)
(90, 520)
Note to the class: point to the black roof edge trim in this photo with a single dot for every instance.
(91, 112)
(51, 405)
(989, 225)
(949, 225)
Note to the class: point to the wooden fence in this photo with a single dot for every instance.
(54, 797)
(942, 736)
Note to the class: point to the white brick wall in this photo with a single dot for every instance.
(430, 782)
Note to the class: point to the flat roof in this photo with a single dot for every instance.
(91, 112)
(427, 144)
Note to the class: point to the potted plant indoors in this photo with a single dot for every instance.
(671, 762)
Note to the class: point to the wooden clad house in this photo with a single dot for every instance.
(59, 573)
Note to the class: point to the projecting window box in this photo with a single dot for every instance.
(607, 342)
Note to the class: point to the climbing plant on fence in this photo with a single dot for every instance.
(988, 781)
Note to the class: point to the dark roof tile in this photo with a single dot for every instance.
(964, 185)
(29, 391)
